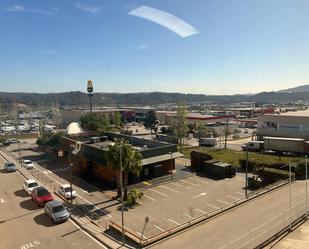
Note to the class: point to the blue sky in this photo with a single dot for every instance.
(243, 46)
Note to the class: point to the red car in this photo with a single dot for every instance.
(41, 195)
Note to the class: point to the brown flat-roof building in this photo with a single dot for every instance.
(90, 156)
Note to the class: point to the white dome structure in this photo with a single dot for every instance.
(74, 128)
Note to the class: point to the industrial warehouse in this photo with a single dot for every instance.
(283, 133)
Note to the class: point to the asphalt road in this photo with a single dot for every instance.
(24, 225)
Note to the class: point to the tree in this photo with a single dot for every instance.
(91, 122)
(117, 119)
(151, 121)
(181, 124)
(131, 162)
(105, 122)
(50, 139)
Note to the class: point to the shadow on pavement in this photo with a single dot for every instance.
(43, 220)
(29, 204)
(117, 236)
(4, 171)
(21, 193)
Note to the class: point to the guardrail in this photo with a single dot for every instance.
(149, 240)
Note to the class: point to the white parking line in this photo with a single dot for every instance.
(239, 193)
(158, 192)
(212, 206)
(224, 202)
(201, 181)
(189, 216)
(196, 185)
(200, 211)
(174, 221)
(169, 189)
(162, 230)
(141, 235)
(232, 197)
(180, 186)
(149, 197)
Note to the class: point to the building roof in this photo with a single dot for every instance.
(161, 158)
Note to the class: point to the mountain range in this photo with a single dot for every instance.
(80, 99)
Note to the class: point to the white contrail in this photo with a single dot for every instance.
(165, 19)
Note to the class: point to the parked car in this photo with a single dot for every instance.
(65, 191)
(235, 136)
(28, 164)
(13, 141)
(57, 211)
(10, 167)
(41, 196)
(29, 185)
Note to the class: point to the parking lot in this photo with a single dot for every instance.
(173, 203)
(24, 225)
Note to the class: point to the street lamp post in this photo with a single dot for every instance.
(306, 187)
(290, 179)
(71, 187)
(171, 170)
(140, 241)
(121, 197)
(90, 92)
(246, 188)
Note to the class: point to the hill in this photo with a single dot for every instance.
(304, 88)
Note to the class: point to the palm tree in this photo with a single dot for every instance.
(131, 162)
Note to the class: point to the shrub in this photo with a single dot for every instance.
(133, 195)
(270, 175)
(300, 169)
(251, 165)
(173, 139)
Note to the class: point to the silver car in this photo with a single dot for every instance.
(57, 211)
(10, 167)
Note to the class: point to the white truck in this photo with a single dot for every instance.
(253, 146)
(208, 141)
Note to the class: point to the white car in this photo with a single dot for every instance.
(65, 191)
(28, 164)
(29, 185)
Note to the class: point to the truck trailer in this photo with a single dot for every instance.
(284, 144)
